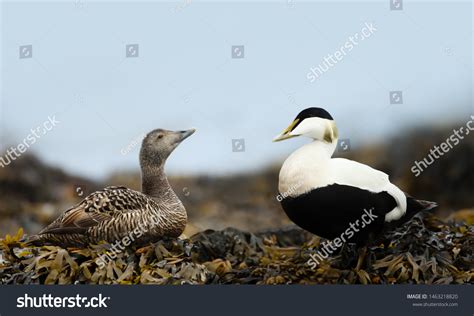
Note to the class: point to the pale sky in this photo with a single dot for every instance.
(185, 76)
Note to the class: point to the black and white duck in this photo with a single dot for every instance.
(337, 198)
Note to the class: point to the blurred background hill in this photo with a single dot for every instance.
(33, 193)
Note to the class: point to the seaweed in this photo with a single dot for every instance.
(424, 251)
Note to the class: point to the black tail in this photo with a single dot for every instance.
(414, 207)
(420, 205)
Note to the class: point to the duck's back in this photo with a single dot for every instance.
(114, 213)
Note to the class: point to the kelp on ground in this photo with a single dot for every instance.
(424, 251)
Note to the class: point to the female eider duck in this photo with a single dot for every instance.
(116, 212)
(336, 197)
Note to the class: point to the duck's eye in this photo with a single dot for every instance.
(160, 136)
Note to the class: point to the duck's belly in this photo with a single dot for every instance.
(347, 212)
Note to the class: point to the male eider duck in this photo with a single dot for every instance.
(117, 212)
(336, 197)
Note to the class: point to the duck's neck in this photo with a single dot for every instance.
(321, 149)
(155, 183)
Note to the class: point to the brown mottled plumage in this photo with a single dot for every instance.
(116, 212)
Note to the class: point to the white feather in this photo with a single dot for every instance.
(311, 167)
(313, 127)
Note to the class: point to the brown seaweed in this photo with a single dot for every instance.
(424, 251)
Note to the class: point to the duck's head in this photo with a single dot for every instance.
(159, 144)
(315, 123)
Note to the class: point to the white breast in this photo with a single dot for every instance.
(305, 169)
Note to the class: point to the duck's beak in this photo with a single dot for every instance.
(286, 133)
(186, 134)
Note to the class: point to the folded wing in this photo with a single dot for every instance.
(100, 206)
(348, 172)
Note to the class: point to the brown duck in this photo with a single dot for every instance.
(114, 213)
